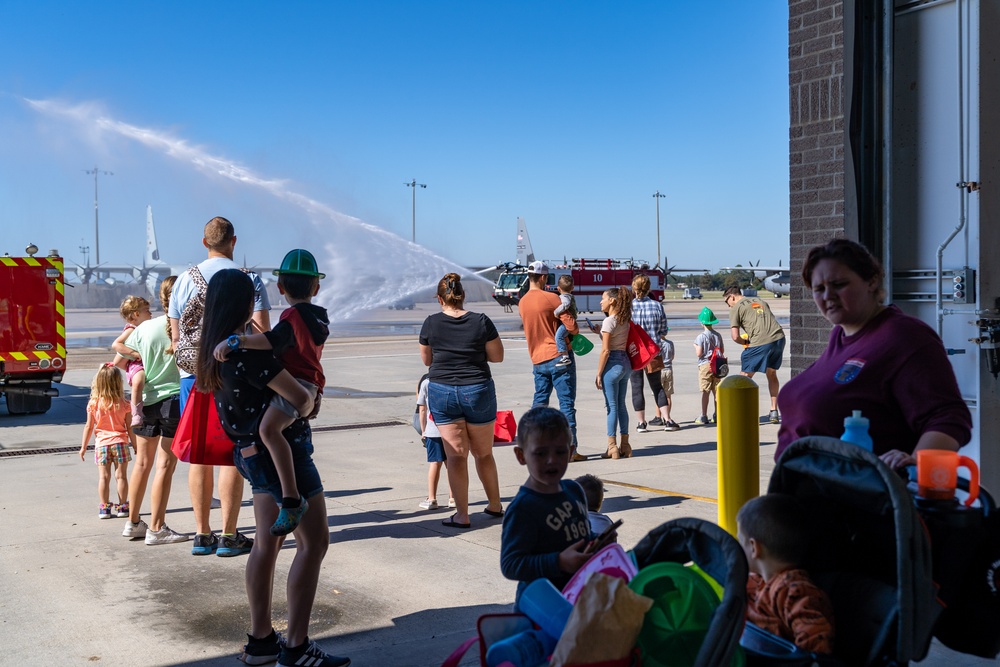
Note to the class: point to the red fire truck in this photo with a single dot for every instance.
(32, 330)
(590, 278)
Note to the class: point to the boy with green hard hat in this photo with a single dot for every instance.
(297, 341)
(706, 342)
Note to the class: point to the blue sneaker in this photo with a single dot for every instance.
(234, 545)
(262, 651)
(205, 545)
(288, 519)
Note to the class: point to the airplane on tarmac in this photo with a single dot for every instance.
(775, 279)
(153, 269)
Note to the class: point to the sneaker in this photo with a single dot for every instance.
(564, 360)
(104, 511)
(671, 425)
(216, 504)
(205, 545)
(714, 415)
(451, 502)
(234, 545)
(701, 420)
(164, 536)
(309, 654)
(135, 530)
(773, 417)
(288, 519)
(656, 421)
(262, 651)
(121, 510)
(641, 427)
(429, 504)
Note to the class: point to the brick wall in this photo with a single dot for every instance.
(815, 155)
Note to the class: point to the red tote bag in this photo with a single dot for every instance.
(640, 347)
(505, 427)
(200, 438)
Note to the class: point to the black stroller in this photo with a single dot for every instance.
(869, 552)
(717, 553)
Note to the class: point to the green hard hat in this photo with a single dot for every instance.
(707, 317)
(299, 262)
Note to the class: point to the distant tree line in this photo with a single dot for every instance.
(716, 282)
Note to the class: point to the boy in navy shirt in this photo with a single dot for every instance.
(545, 527)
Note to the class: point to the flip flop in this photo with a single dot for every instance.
(451, 523)
(496, 515)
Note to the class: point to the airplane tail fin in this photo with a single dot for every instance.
(152, 250)
(525, 255)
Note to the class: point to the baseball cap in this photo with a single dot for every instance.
(538, 268)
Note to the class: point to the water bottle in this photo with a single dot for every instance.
(530, 648)
(856, 431)
(542, 602)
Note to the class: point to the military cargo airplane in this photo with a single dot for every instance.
(775, 279)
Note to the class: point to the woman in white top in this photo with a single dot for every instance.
(613, 367)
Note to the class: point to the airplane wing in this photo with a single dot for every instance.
(768, 269)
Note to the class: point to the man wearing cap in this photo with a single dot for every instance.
(220, 240)
(536, 309)
(763, 343)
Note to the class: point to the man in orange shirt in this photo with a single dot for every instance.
(540, 326)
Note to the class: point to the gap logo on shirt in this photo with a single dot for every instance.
(849, 371)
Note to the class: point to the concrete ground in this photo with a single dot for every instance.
(397, 588)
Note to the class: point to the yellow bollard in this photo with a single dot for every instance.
(739, 447)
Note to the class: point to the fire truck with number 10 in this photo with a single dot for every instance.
(32, 330)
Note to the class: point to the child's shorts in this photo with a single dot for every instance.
(707, 381)
(667, 380)
(280, 403)
(435, 450)
(116, 453)
(132, 369)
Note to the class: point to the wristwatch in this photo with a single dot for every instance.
(234, 342)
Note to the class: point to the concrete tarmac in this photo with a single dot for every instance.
(397, 588)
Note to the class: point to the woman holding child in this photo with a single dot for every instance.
(892, 366)
(458, 346)
(614, 368)
(243, 386)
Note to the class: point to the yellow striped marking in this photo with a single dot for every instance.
(19, 356)
(662, 492)
(8, 261)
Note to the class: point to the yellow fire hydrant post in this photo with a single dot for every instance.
(739, 447)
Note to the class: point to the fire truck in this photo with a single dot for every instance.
(32, 330)
(591, 277)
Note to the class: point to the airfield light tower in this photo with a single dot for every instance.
(97, 240)
(658, 197)
(413, 184)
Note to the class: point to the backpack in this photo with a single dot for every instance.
(718, 363)
(186, 354)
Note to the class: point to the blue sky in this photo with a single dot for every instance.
(316, 113)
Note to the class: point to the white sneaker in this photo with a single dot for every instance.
(164, 536)
(137, 529)
(451, 502)
(429, 504)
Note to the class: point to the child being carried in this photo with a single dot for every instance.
(567, 304)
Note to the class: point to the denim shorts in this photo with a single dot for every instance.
(758, 359)
(472, 403)
(255, 464)
(435, 450)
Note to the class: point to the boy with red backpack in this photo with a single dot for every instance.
(712, 367)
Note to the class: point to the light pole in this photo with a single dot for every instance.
(413, 184)
(658, 197)
(97, 240)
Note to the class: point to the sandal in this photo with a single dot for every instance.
(495, 515)
(451, 523)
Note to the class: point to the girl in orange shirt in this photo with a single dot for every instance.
(108, 415)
